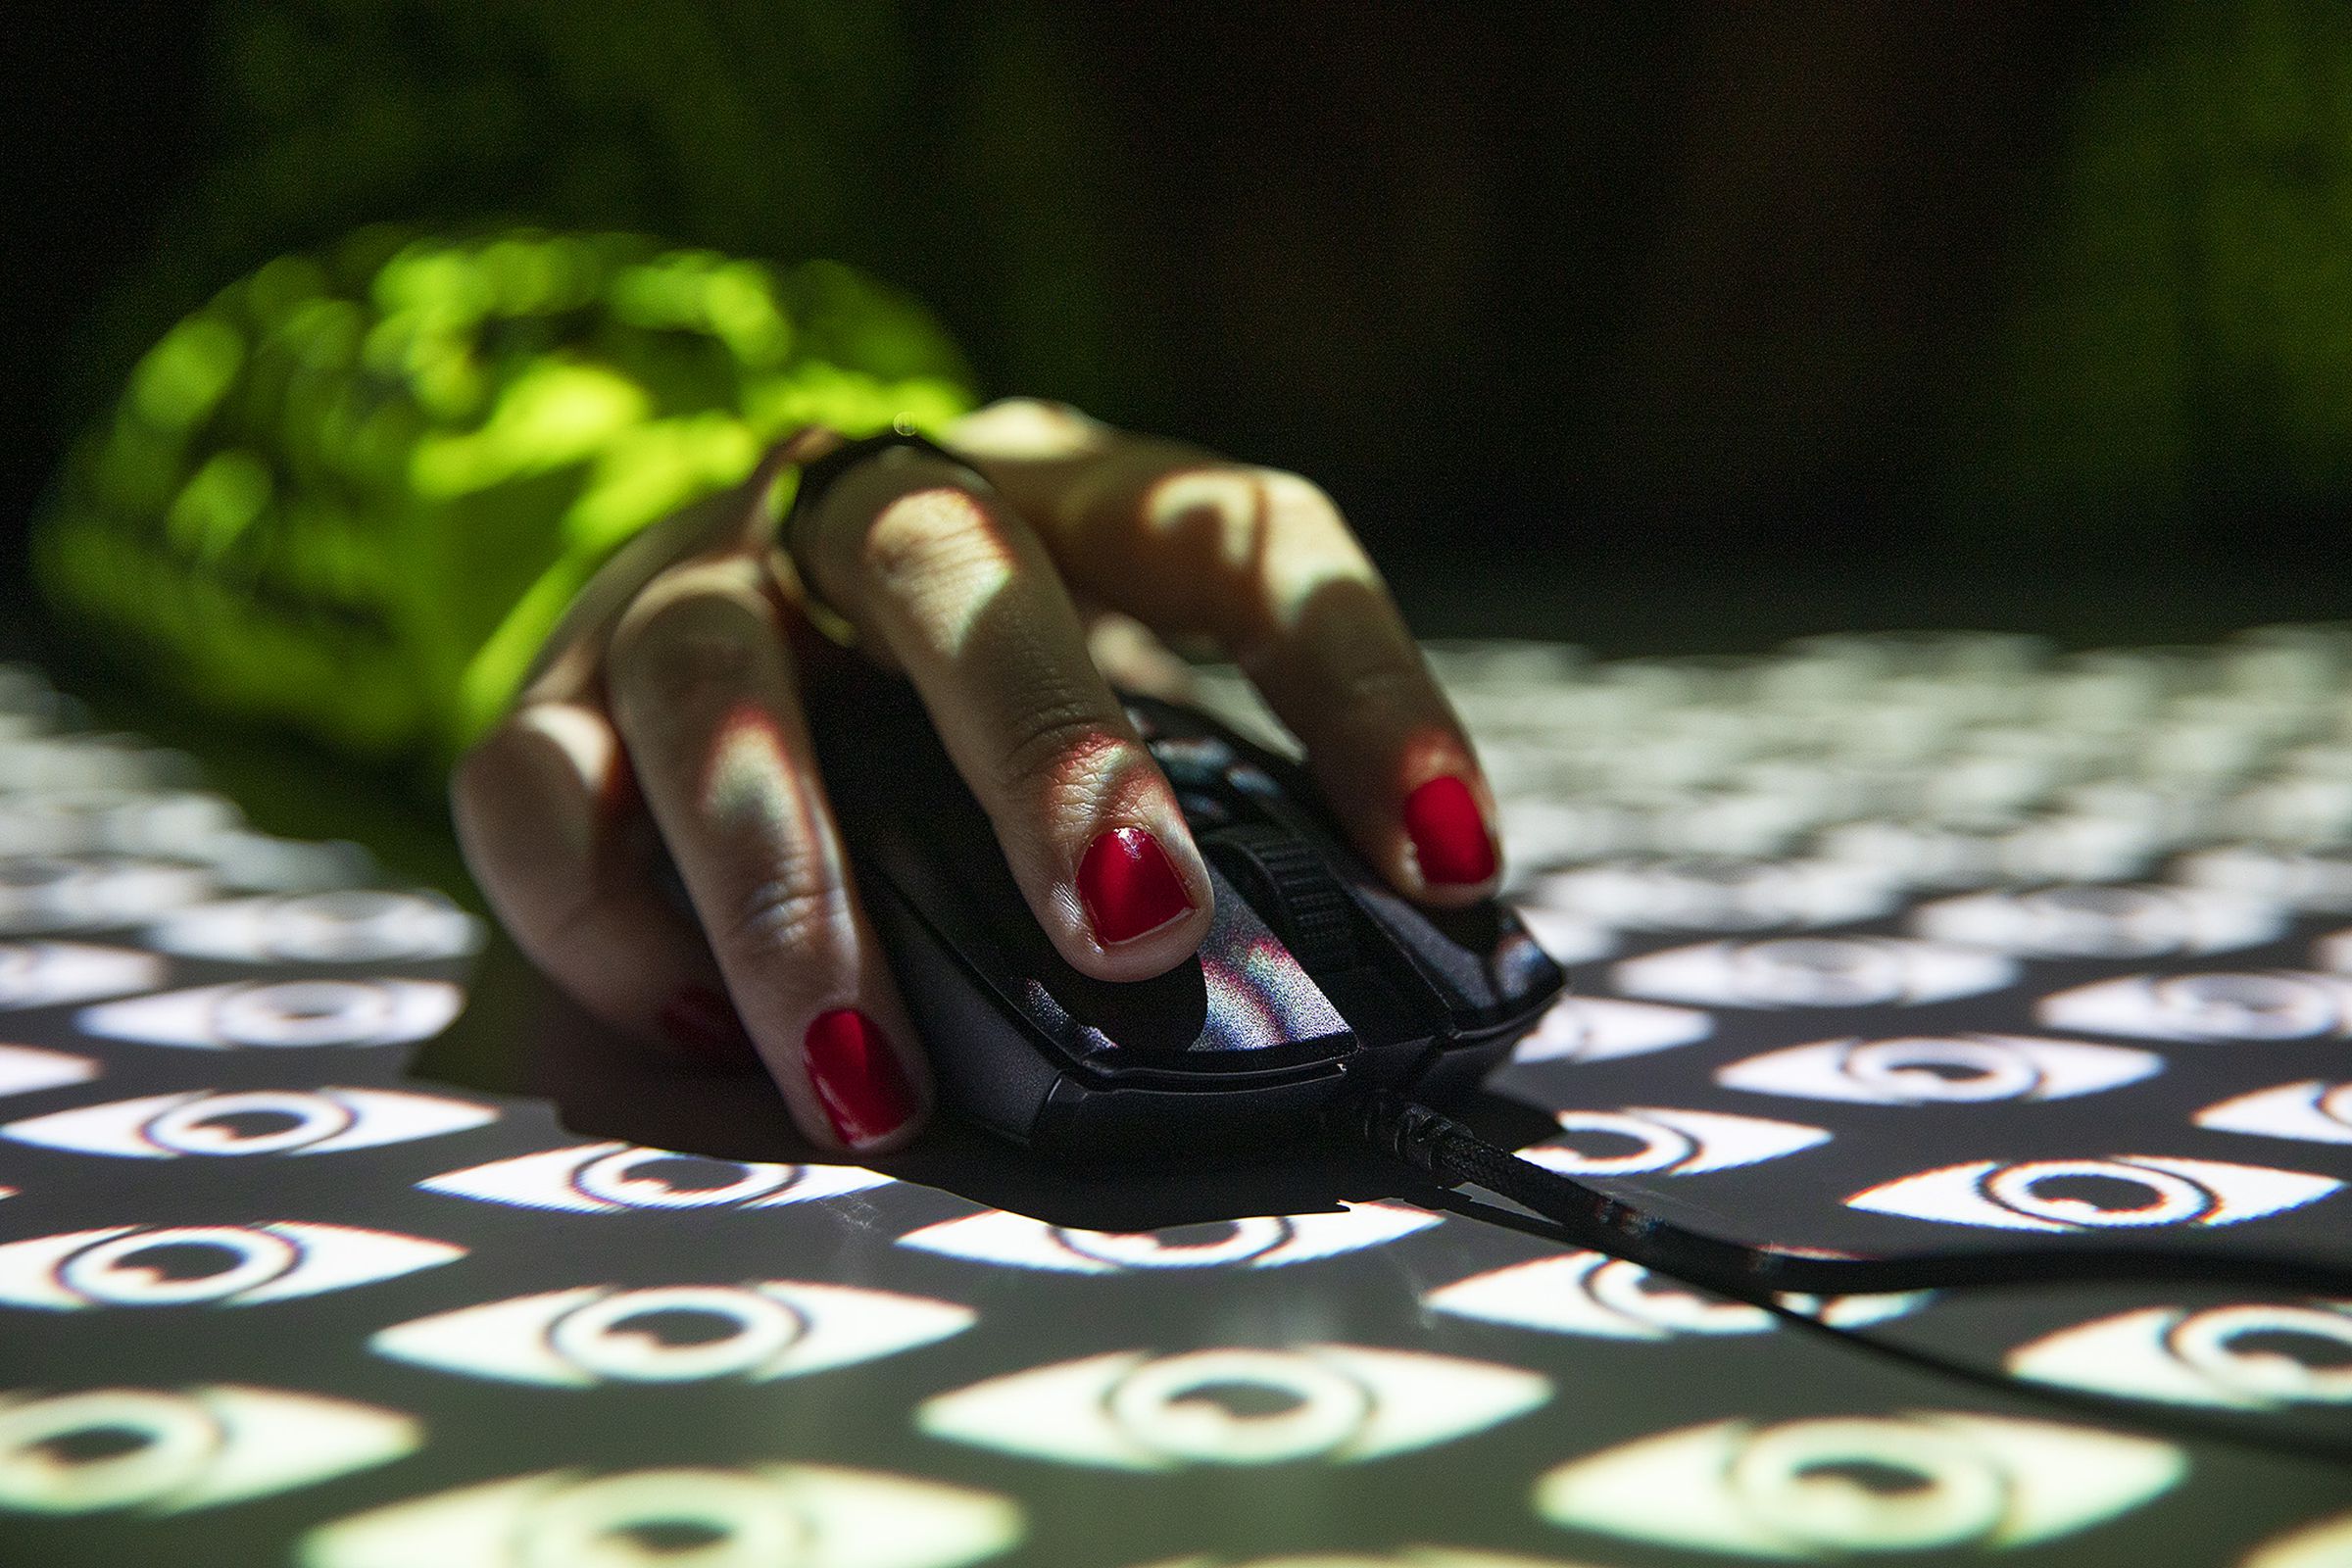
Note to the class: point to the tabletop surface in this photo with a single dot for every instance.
(1886, 944)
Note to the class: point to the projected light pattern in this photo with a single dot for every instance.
(1841, 985)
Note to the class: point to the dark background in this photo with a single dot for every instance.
(1656, 327)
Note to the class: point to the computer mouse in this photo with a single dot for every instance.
(1316, 981)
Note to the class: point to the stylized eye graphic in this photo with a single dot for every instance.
(1823, 1489)
(764, 1516)
(1267, 1242)
(673, 1334)
(1595, 1295)
(2102, 920)
(1646, 1141)
(52, 974)
(1940, 1070)
(2316, 1112)
(1721, 893)
(1815, 972)
(2274, 1005)
(2073, 1195)
(1567, 938)
(79, 893)
(2316, 879)
(254, 1121)
(1133, 1410)
(186, 1265)
(2257, 1356)
(288, 1014)
(120, 822)
(173, 1452)
(1607, 1298)
(1602, 1028)
(26, 1068)
(609, 1178)
(352, 925)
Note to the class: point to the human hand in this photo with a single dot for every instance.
(667, 713)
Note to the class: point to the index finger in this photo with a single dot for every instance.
(1263, 563)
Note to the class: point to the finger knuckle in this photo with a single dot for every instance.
(938, 532)
(697, 630)
(1052, 743)
(798, 912)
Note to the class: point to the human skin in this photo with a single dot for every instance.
(665, 713)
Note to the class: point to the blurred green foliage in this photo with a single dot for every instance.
(355, 490)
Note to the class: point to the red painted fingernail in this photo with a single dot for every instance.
(857, 1076)
(1450, 841)
(704, 1022)
(1129, 885)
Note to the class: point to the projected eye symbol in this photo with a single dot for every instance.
(2141, 1190)
(780, 1515)
(1599, 1296)
(2314, 1112)
(1261, 1242)
(54, 974)
(2103, 922)
(261, 1121)
(73, 893)
(25, 1069)
(185, 1265)
(1824, 1489)
(1332, 1403)
(1940, 1070)
(173, 1453)
(1646, 1141)
(2247, 1358)
(1602, 1029)
(289, 1014)
(2203, 1006)
(1594, 1295)
(1719, 893)
(1815, 972)
(356, 925)
(612, 1177)
(673, 1334)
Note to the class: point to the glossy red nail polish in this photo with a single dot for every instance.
(857, 1076)
(701, 1020)
(1450, 841)
(1129, 885)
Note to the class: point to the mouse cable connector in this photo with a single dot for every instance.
(1450, 1154)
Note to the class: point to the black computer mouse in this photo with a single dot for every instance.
(1315, 981)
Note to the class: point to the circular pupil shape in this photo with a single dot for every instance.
(1243, 1402)
(1603, 1144)
(1951, 1072)
(2110, 1195)
(349, 906)
(685, 1173)
(1877, 1477)
(2320, 1353)
(1193, 1237)
(241, 1125)
(2121, 902)
(177, 1262)
(95, 1444)
(663, 1538)
(677, 1328)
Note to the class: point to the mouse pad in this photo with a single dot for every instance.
(1895, 946)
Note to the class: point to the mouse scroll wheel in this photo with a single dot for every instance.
(1302, 899)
